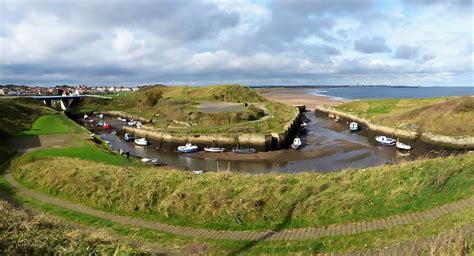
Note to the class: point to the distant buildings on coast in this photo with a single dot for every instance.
(17, 90)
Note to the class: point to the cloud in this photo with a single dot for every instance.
(371, 45)
(406, 52)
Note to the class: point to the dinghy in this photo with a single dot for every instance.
(296, 143)
(385, 140)
(243, 150)
(353, 127)
(141, 142)
(402, 145)
(132, 123)
(100, 123)
(188, 148)
(127, 137)
(106, 126)
(198, 172)
(214, 149)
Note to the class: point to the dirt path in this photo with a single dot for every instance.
(288, 234)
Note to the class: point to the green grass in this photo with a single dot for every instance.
(52, 124)
(239, 201)
(446, 116)
(18, 114)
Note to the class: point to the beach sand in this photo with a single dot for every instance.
(297, 96)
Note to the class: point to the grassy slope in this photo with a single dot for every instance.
(178, 103)
(237, 201)
(446, 116)
(22, 232)
(18, 114)
(52, 124)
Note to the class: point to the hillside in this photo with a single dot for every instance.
(179, 108)
(18, 114)
(452, 116)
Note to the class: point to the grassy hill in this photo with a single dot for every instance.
(18, 114)
(239, 201)
(176, 109)
(452, 116)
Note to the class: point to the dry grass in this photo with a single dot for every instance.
(240, 201)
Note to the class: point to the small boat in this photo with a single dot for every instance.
(304, 124)
(402, 145)
(132, 123)
(188, 148)
(86, 116)
(353, 126)
(198, 172)
(214, 149)
(296, 143)
(146, 160)
(141, 142)
(127, 137)
(101, 116)
(106, 126)
(238, 150)
(139, 125)
(100, 123)
(385, 140)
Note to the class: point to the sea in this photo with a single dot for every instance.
(384, 92)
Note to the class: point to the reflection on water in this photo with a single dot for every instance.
(328, 146)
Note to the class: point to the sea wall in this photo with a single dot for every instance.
(448, 142)
(261, 142)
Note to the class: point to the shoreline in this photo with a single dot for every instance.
(298, 96)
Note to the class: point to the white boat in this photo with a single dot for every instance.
(296, 143)
(198, 172)
(86, 116)
(188, 148)
(139, 125)
(385, 140)
(132, 123)
(353, 126)
(127, 137)
(141, 142)
(146, 160)
(402, 145)
(304, 124)
(214, 149)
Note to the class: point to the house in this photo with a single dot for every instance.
(2, 92)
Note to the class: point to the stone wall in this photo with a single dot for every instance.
(448, 142)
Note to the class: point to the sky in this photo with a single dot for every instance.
(250, 42)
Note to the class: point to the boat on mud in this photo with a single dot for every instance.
(296, 143)
(214, 149)
(353, 126)
(132, 123)
(100, 123)
(188, 148)
(141, 142)
(402, 146)
(238, 150)
(153, 161)
(127, 137)
(107, 126)
(385, 140)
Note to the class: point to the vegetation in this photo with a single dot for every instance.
(176, 109)
(52, 124)
(18, 114)
(25, 233)
(445, 116)
(239, 201)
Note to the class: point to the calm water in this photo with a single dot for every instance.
(391, 92)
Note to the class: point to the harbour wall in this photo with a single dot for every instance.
(261, 142)
(441, 141)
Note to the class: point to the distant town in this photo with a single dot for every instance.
(24, 90)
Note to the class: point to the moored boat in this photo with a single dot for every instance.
(353, 126)
(214, 149)
(403, 146)
(132, 123)
(106, 126)
(188, 148)
(127, 137)
(296, 143)
(385, 140)
(238, 150)
(141, 142)
(100, 123)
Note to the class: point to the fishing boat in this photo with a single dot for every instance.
(132, 123)
(403, 146)
(141, 142)
(385, 140)
(127, 137)
(214, 149)
(106, 126)
(238, 150)
(296, 143)
(353, 126)
(188, 148)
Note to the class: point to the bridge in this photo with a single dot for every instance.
(66, 101)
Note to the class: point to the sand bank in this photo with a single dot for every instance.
(297, 96)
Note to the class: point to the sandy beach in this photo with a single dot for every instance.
(297, 96)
